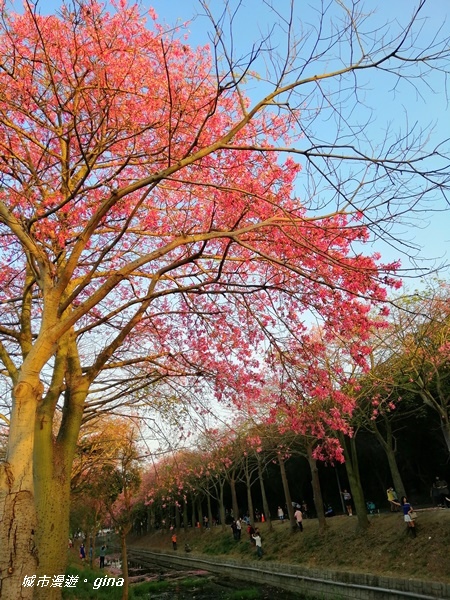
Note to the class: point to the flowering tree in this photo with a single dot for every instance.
(120, 494)
(151, 227)
(417, 350)
(380, 410)
(312, 396)
(102, 444)
(169, 483)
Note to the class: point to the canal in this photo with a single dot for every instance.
(166, 583)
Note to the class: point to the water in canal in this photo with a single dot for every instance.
(161, 583)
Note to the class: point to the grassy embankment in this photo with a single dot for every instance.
(384, 549)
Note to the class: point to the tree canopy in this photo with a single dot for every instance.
(152, 229)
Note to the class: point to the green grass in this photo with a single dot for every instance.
(84, 588)
(220, 545)
(194, 582)
(88, 578)
(140, 590)
(247, 594)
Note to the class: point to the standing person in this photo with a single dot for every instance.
(238, 528)
(392, 499)
(251, 531)
(82, 552)
(258, 543)
(299, 518)
(280, 513)
(234, 529)
(407, 515)
(348, 502)
(91, 555)
(174, 540)
(102, 556)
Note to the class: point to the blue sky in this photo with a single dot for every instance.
(393, 109)
(430, 231)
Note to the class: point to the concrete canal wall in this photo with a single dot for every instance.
(312, 583)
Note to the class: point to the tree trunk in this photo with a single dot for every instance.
(287, 494)
(52, 462)
(185, 515)
(194, 511)
(52, 499)
(249, 492)
(266, 510)
(317, 492)
(200, 513)
(150, 519)
(222, 506)
(441, 406)
(354, 479)
(210, 515)
(18, 519)
(234, 502)
(177, 518)
(53, 505)
(125, 588)
(18, 551)
(388, 444)
(397, 480)
(91, 548)
(445, 426)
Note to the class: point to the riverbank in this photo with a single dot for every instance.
(384, 549)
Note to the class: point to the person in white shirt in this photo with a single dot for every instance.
(258, 543)
(238, 528)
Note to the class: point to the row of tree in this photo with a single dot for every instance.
(237, 466)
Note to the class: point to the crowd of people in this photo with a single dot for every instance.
(439, 493)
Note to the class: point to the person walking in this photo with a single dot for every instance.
(174, 540)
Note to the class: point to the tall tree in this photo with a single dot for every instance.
(140, 188)
(121, 484)
(417, 354)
